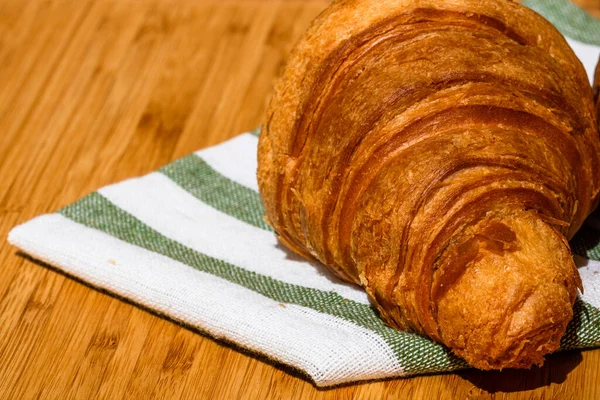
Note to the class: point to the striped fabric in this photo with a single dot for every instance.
(189, 242)
(571, 20)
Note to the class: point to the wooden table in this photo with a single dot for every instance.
(96, 91)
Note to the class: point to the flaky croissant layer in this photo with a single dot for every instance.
(440, 154)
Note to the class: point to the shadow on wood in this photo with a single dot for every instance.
(554, 371)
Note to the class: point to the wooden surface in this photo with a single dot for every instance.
(96, 91)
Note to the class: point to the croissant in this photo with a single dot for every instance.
(440, 153)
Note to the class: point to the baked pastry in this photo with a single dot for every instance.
(440, 154)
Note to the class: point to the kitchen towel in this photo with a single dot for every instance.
(189, 242)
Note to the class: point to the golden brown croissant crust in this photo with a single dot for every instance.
(439, 153)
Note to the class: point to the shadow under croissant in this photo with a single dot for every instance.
(586, 241)
(555, 370)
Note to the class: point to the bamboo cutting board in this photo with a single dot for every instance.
(96, 91)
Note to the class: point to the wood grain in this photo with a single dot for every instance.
(591, 6)
(96, 91)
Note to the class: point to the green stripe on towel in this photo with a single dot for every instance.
(256, 132)
(569, 19)
(196, 177)
(584, 329)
